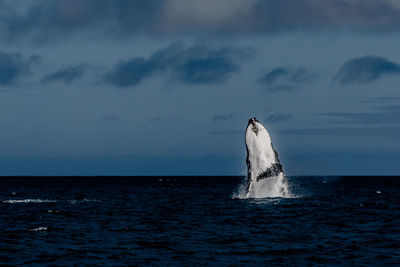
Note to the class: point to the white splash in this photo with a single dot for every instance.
(75, 201)
(265, 177)
(16, 201)
(42, 228)
(271, 187)
(241, 191)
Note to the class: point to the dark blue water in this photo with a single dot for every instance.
(194, 221)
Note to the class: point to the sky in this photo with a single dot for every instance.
(166, 87)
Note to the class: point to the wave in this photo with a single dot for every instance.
(30, 200)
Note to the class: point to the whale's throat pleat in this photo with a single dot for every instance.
(272, 171)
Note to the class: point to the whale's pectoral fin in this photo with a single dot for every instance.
(272, 171)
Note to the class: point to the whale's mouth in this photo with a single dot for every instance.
(254, 125)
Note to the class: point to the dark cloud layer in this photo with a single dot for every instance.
(365, 69)
(193, 65)
(111, 165)
(287, 78)
(343, 163)
(382, 99)
(66, 75)
(384, 132)
(12, 67)
(313, 14)
(387, 115)
(48, 19)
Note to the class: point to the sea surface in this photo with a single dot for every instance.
(195, 221)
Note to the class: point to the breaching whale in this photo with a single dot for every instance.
(265, 176)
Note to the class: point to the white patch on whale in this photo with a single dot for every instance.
(265, 176)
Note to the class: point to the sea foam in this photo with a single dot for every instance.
(29, 200)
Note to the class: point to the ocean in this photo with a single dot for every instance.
(197, 221)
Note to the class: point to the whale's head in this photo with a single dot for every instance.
(253, 122)
(257, 138)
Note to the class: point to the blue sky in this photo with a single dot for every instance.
(96, 87)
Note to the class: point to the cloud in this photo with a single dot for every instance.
(49, 19)
(386, 133)
(222, 117)
(388, 115)
(207, 70)
(232, 132)
(273, 75)
(391, 131)
(278, 117)
(365, 69)
(270, 16)
(132, 72)
(287, 78)
(192, 65)
(161, 119)
(66, 74)
(184, 15)
(109, 118)
(13, 66)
